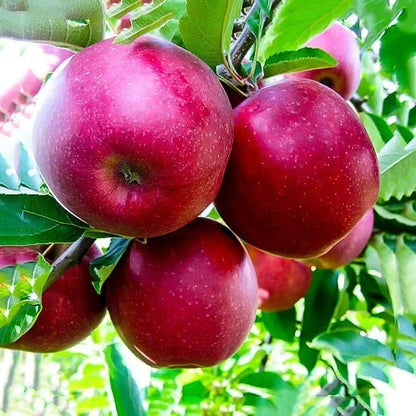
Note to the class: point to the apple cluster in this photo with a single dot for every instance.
(137, 140)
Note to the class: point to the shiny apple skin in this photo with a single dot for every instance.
(186, 299)
(134, 139)
(302, 171)
(349, 247)
(282, 282)
(341, 43)
(71, 307)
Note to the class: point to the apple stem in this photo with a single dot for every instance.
(69, 258)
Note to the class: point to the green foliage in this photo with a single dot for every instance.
(150, 18)
(206, 31)
(101, 267)
(295, 61)
(21, 288)
(36, 219)
(296, 21)
(317, 314)
(74, 24)
(400, 62)
(281, 325)
(126, 393)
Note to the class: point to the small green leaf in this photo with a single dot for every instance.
(400, 61)
(349, 346)
(283, 393)
(70, 23)
(207, 29)
(36, 219)
(28, 173)
(122, 8)
(281, 325)
(101, 267)
(395, 222)
(300, 60)
(397, 161)
(296, 21)
(320, 303)
(397, 266)
(372, 131)
(126, 392)
(152, 18)
(21, 288)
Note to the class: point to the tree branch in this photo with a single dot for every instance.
(268, 340)
(69, 258)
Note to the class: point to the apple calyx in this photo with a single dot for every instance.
(130, 175)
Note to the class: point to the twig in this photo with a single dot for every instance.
(9, 382)
(268, 340)
(69, 258)
(359, 103)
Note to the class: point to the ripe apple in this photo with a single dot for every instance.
(342, 44)
(302, 171)
(282, 282)
(186, 299)
(71, 307)
(349, 247)
(134, 139)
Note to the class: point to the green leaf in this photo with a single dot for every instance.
(283, 393)
(397, 161)
(194, 393)
(281, 325)
(395, 222)
(400, 62)
(382, 126)
(101, 267)
(397, 266)
(372, 131)
(126, 392)
(349, 346)
(70, 23)
(391, 104)
(152, 18)
(36, 219)
(300, 60)
(207, 29)
(320, 303)
(21, 288)
(296, 21)
(122, 8)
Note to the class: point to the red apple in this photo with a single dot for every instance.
(282, 282)
(342, 44)
(349, 247)
(302, 172)
(186, 299)
(71, 307)
(139, 154)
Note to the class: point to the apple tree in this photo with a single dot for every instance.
(289, 125)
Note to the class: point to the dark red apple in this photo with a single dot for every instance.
(71, 307)
(342, 44)
(282, 282)
(302, 171)
(349, 247)
(139, 154)
(186, 299)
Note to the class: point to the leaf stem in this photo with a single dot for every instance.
(69, 258)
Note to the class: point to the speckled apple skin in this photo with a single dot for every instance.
(187, 299)
(149, 106)
(342, 44)
(302, 171)
(71, 307)
(349, 247)
(282, 282)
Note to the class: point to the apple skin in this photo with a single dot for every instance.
(341, 43)
(302, 171)
(349, 247)
(71, 307)
(140, 154)
(186, 299)
(282, 282)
